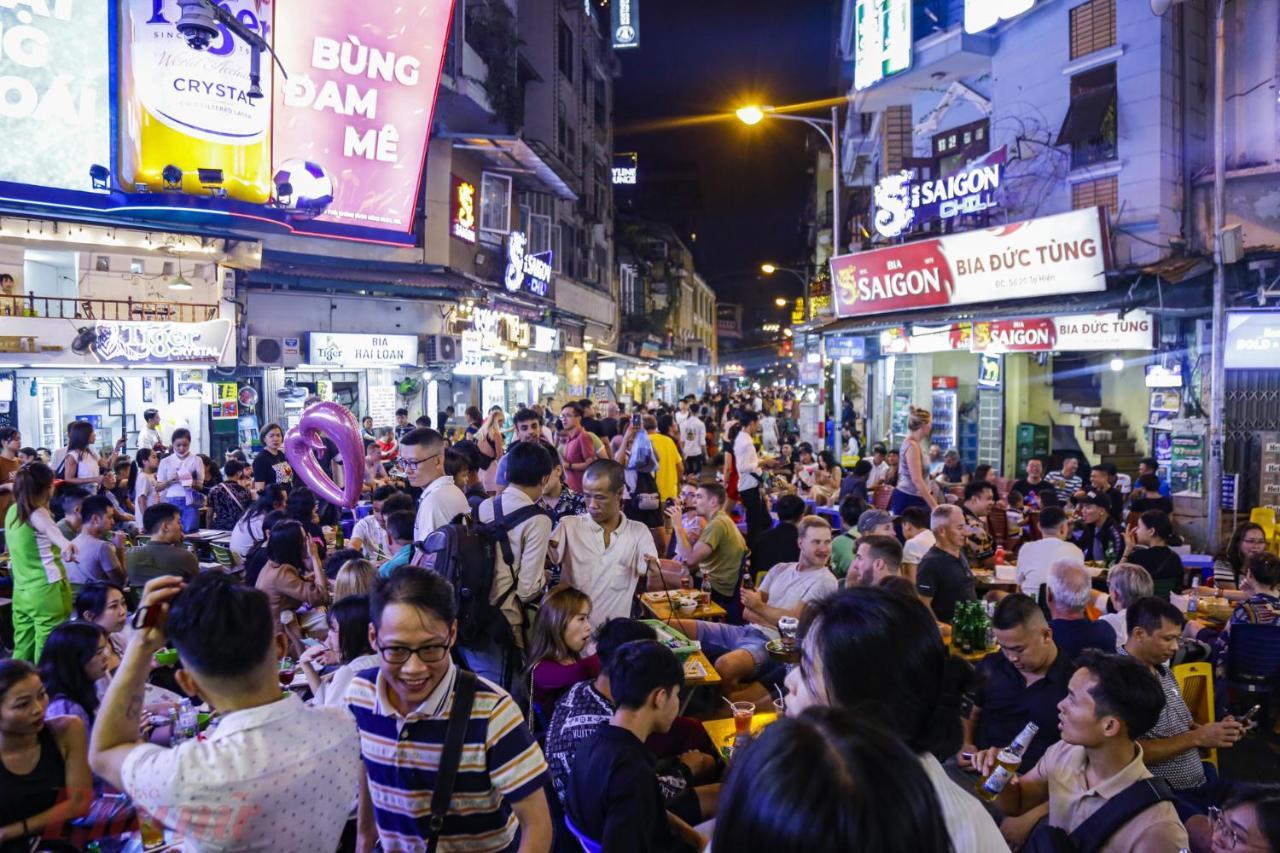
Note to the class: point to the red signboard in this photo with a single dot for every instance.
(942, 383)
(1039, 334)
(1041, 257)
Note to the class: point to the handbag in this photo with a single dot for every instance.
(464, 694)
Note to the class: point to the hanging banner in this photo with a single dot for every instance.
(728, 320)
(626, 23)
(989, 371)
(358, 103)
(925, 339)
(1052, 255)
(1108, 332)
(54, 88)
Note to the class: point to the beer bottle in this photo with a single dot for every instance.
(1007, 764)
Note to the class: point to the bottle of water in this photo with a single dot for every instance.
(188, 721)
(1193, 599)
(175, 727)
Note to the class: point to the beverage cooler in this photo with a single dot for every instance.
(945, 411)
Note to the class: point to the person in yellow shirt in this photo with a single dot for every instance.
(670, 465)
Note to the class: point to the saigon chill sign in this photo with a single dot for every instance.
(1066, 253)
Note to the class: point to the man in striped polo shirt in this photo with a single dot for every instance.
(402, 709)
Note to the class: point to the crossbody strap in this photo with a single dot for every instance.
(1097, 829)
(464, 694)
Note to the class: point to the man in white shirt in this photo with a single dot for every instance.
(242, 787)
(519, 577)
(604, 553)
(422, 460)
(879, 467)
(769, 433)
(740, 652)
(1035, 558)
(919, 538)
(149, 436)
(179, 477)
(693, 443)
(747, 462)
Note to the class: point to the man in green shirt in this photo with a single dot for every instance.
(720, 549)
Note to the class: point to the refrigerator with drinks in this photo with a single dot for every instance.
(945, 411)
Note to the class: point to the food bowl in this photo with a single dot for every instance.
(686, 605)
(167, 657)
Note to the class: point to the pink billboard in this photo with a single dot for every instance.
(351, 124)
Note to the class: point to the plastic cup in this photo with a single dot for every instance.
(742, 714)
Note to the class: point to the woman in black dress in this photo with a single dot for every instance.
(270, 465)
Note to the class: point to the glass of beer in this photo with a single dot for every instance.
(789, 631)
(742, 714)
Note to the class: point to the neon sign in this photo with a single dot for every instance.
(882, 40)
(464, 210)
(901, 202)
(161, 342)
(526, 271)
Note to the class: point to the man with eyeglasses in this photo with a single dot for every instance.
(402, 710)
(422, 460)
(604, 553)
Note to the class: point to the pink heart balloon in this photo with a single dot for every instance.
(339, 425)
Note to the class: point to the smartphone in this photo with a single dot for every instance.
(146, 617)
(1247, 719)
(635, 420)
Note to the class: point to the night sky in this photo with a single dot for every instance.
(702, 57)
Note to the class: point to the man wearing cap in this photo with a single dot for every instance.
(843, 547)
(1099, 537)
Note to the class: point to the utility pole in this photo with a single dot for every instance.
(1217, 379)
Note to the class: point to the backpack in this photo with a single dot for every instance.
(464, 552)
(1096, 831)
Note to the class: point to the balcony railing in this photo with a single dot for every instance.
(63, 308)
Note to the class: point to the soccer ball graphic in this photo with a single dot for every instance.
(303, 188)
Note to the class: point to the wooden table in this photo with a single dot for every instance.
(972, 657)
(661, 610)
(986, 578)
(721, 731)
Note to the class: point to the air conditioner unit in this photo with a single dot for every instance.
(442, 349)
(273, 352)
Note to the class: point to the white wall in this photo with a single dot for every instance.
(272, 314)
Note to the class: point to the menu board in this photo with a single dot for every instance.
(1186, 463)
(1269, 469)
(382, 405)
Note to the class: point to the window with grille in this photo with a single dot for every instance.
(1103, 191)
(1093, 27)
(495, 203)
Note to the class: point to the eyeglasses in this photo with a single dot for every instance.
(412, 464)
(1221, 828)
(398, 655)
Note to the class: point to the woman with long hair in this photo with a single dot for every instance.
(44, 764)
(826, 479)
(560, 635)
(880, 656)
(913, 488)
(270, 466)
(355, 577)
(247, 532)
(344, 652)
(1247, 540)
(74, 658)
(37, 548)
(293, 575)
(474, 421)
(80, 465)
(827, 780)
(303, 508)
(488, 439)
(1147, 545)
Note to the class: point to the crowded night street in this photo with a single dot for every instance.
(640, 426)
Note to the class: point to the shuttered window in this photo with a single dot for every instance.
(1093, 27)
(1103, 191)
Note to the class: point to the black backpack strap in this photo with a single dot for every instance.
(464, 694)
(1090, 836)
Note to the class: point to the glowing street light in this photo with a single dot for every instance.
(768, 269)
(750, 114)
(781, 302)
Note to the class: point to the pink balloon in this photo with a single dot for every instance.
(335, 422)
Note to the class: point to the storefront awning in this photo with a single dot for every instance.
(301, 272)
(1144, 294)
(513, 156)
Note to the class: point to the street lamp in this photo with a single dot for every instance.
(781, 302)
(770, 269)
(829, 130)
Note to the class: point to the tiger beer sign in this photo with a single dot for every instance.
(1067, 253)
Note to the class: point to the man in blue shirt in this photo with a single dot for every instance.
(400, 533)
